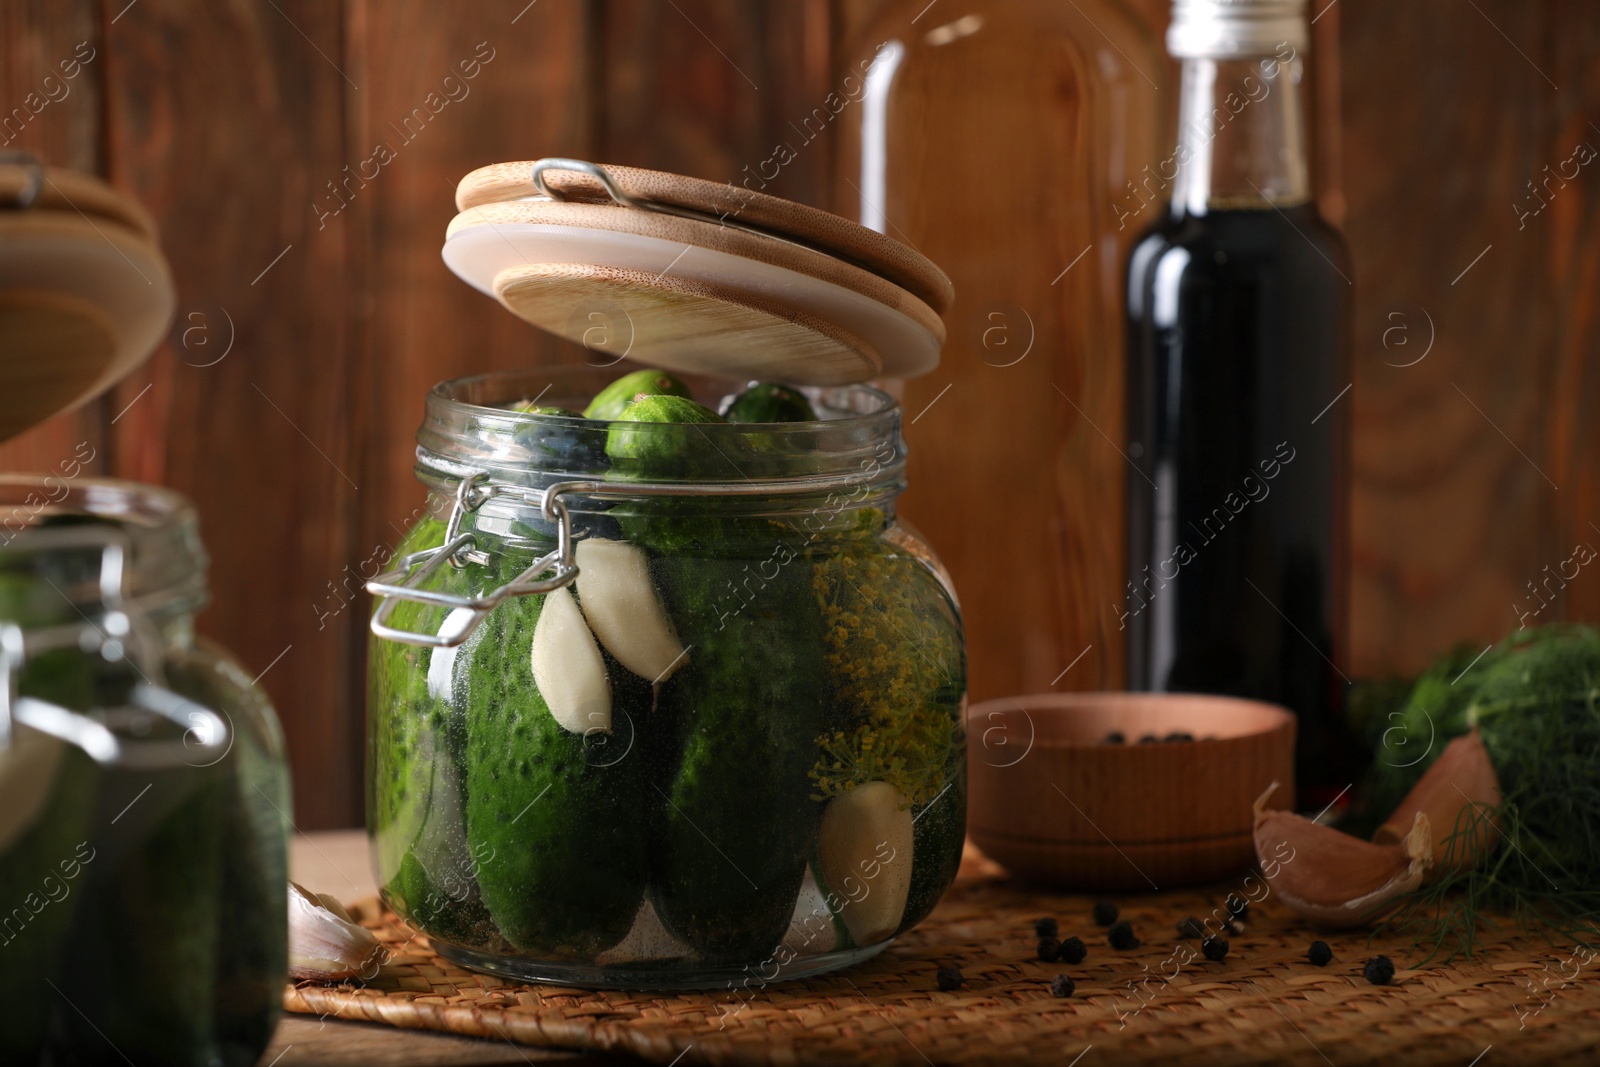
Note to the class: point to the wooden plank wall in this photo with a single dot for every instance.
(314, 311)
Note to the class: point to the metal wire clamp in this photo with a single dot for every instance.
(122, 633)
(476, 488)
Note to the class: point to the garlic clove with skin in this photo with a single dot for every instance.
(1460, 792)
(1331, 877)
(325, 947)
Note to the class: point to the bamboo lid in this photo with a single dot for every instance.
(700, 277)
(85, 293)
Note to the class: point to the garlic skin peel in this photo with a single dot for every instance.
(325, 946)
(1332, 878)
(1460, 789)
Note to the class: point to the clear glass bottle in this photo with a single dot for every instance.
(1237, 306)
(727, 749)
(143, 793)
(1013, 143)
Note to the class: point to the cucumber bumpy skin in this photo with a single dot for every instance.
(737, 723)
(770, 402)
(417, 754)
(557, 829)
(741, 720)
(609, 402)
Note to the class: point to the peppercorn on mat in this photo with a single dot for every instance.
(1519, 1001)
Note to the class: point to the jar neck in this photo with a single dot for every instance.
(833, 472)
(1241, 134)
(86, 549)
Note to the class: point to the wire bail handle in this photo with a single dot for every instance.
(403, 582)
(627, 199)
(121, 634)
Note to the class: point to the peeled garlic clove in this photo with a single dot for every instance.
(1461, 791)
(568, 667)
(324, 947)
(1332, 878)
(624, 609)
(864, 844)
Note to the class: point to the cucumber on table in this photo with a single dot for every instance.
(557, 831)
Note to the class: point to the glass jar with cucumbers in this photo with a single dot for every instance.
(661, 693)
(143, 793)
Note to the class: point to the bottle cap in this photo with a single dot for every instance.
(1235, 29)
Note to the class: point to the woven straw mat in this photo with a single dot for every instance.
(1520, 1001)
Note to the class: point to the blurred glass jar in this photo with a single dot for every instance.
(1014, 143)
(143, 793)
(729, 751)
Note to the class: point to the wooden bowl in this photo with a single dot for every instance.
(1055, 803)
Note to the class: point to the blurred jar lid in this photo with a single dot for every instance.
(696, 276)
(85, 293)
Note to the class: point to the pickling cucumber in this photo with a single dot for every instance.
(555, 820)
(770, 402)
(41, 881)
(739, 724)
(609, 402)
(415, 803)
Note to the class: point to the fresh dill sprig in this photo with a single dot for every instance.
(1535, 700)
(897, 671)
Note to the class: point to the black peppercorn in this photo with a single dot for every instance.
(1238, 908)
(1149, 739)
(1049, 949)
(949, 978)
(1379, 970)
(1180, 735)
(1046, 928)
(1116, 737)
(1105, 913)
(1073, 950)
(1319, 954)
(1215, 948)
(1121, 935)
(1191, 927)
(1062, 986)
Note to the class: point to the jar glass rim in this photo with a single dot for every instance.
(467, 425)
(165, 571)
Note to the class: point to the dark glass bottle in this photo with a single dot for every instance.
(1237, 399)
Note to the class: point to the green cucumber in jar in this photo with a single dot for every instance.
(252, 922)
(147, 938)
(770, 402)
(610, 402)
(737, 720)
(556, 789)
(416, 788)
(47, 792)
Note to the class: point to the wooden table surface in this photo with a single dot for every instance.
(335, 862)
